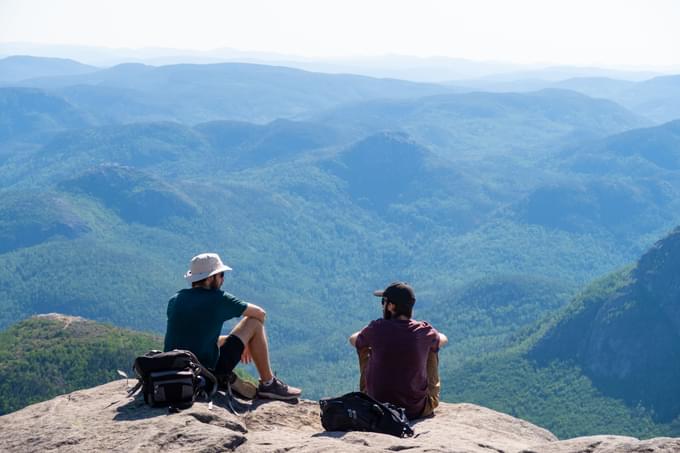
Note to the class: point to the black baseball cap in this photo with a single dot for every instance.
(399, 293)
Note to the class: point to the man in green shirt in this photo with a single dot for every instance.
(195, 318)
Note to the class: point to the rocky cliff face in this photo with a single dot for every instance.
(625, 337)
(104, 418)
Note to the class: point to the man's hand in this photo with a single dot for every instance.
(246, 357)
(442, 340)
(353, 338)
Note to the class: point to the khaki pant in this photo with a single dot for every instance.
(433, 383)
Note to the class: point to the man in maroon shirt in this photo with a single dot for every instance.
(398, 356)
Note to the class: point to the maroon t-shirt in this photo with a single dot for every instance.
(397, 370)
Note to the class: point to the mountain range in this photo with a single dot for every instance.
(419, 69)
(318, 189)
(197, 93)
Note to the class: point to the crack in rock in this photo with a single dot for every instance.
(491, 448)
(211, 419)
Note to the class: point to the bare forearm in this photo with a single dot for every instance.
(255, 312)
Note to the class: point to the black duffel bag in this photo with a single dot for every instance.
(357, 411)
(174, 378)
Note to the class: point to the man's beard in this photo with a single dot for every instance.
(386, 313)
(215, 284)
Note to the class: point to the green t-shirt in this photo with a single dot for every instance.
(195, 318)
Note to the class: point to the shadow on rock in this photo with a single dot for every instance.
(242, 406)
(332, 434)
(137, 409)
(415, 422)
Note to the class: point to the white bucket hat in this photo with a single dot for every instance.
(205, 265)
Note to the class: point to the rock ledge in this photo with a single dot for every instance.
(104, 418)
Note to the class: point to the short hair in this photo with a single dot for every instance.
(402, 309)
(199, 282)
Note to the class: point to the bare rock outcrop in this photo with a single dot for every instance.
(104, 418)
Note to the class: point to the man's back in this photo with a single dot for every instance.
(397, 369)
(195, 318)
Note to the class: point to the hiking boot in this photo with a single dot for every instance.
(240, 387)
(278, 390)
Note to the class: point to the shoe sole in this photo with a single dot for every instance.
(244, 389)
(244, 395)
(275, 396)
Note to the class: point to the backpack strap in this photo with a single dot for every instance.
(230, 399)
(203, 371)
(134, 389)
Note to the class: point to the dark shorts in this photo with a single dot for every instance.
(230, 355)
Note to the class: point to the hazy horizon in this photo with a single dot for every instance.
(220, 53)
(404, 67)
(622, 35)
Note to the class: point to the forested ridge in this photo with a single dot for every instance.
(49, 355)
(607, 361)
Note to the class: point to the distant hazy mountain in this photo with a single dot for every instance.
(635, 152)
(514, 124)
(595, 205)
(596, 87)
(622, 185)
(139, 144)
(136, 196)
(385, 173)
(48, 355)
(30, 218)
(242, 145)
(431, 69)
(422, 69)
(260, 93)
(557, 73)
(107, 105)
(373, 165)
(609, 359)
(30, 114)
(22, 67)
(247, 92)
(657, 98)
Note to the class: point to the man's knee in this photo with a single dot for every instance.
(247, 328)
(431, 404)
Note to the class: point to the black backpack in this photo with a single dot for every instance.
(357, 411)
(174, 378)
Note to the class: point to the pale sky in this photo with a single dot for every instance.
(583, 32)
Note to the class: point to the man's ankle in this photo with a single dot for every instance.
(267, 376)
